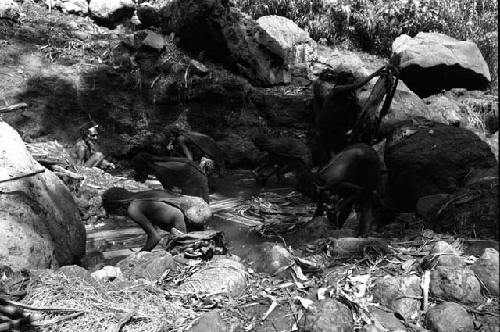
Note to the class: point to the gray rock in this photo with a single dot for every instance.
(431, 62)
(386, 319)
(455, 284)
(77, 7)
(9, 10)
(296, 45)
(146, 265)
(474, 110)
(278, 320)
(111, 12)
(151, 39)
(425, 158)
(399, 293)
(487, 323)
(486, 269)
(404, 105)
(81, 35)
(211, 321)
(328, 315)
(227, 36)
(344, 247)
(448, 317)
(374, 328)
(444, 110)
(330, 62)
(443, 254)
(427, 205)
(219, 276)
(41, 225)
(268, 258)
(75, 271)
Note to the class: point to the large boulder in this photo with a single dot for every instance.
(469, 212)
(150, 12)
(330, 62)
(425, 157)
(431, 62)
(77, 7)
(296, 45)
(40, 225)
(283, 107)
(110, 13)
(227, 36)
(146, 265)
(398, 293)
(473, 110)
(404, 105)
(448, 317)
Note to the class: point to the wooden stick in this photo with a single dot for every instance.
(33, 308)
(12, 108)
(425, 290)
(58, 319)
(23, 176)
(124, 320)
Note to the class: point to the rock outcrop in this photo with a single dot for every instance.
(296, 45)
(424, 158)
(431, 62)
(111, 12)
(40, 224)
(229, 37)
(77, 7)
(9, 10)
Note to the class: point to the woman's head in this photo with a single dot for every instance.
(89, 130)
(345, 78)
(260, 139)
(116, 200)
(140, 163)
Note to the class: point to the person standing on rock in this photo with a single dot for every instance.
(84, 151)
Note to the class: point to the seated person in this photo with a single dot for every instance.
(147, 209)
(84, 151)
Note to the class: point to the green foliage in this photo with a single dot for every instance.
(372, 25)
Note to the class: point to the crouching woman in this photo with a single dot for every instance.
(149, 209)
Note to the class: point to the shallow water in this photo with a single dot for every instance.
(118, 237)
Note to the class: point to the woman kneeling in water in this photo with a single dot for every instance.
(148, 209)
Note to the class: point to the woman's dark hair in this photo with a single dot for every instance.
(115, 199)
(344, 78)
(171, 131)
(140, 163)
(86, 127)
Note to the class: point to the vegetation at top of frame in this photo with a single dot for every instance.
(372, 25)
